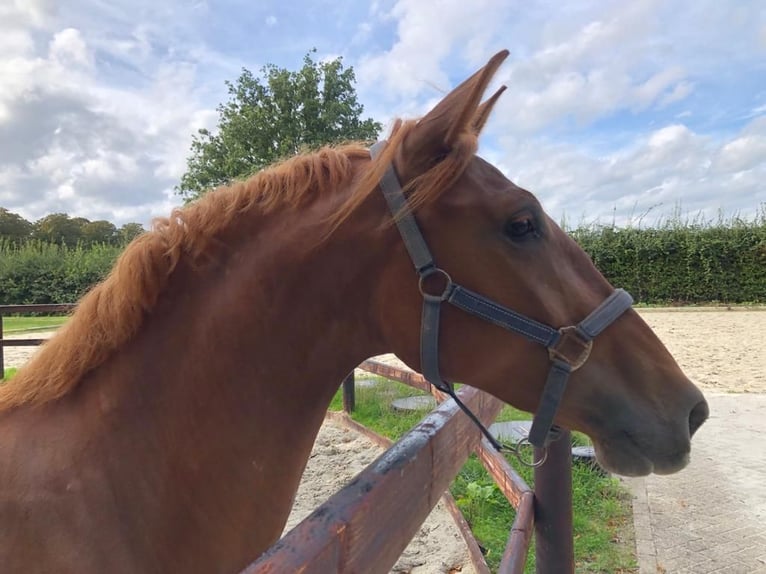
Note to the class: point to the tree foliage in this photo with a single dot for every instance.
(100, 231)
(13, 227)
(61, 229)
(58, 228)
(129, 231)
(275, 116)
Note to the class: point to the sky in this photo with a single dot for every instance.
(616, 111)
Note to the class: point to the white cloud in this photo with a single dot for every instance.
(741, 154)
(427, 33)
(68, 48)
(650, 91)
(14, 42)
(664, 168)
(681, 90)
(577, 62)
(590, 72)
(582, 64)
(72, 141)
(36, 13)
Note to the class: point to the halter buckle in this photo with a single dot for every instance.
(571, 347)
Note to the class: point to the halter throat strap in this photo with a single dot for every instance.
(568, 347)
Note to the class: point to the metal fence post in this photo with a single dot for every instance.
(349, 394)
(554, 544)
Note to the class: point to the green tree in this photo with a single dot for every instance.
(101, 231)
(13, 227)
(273, 117)
(59, 228)
(129, 231)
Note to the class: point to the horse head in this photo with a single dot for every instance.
(491, 239)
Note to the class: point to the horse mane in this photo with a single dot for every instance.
(113, 311)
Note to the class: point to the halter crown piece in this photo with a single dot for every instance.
(568, 347)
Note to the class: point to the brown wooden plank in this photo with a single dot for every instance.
(477, 558)
(380, 511)
(516, 550)
(407, 377)
(507, 479)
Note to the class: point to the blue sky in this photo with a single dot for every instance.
(614, 109)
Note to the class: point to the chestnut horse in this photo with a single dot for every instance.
(165, 427)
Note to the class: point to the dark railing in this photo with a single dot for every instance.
(404, 484)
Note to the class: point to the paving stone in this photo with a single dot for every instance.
(711, 517)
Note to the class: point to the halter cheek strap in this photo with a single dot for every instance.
(568, 347)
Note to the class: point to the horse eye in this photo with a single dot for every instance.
(523, 228)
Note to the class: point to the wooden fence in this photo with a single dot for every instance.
(366, 526)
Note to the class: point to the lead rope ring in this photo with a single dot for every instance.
(554, 434)
(516, 451)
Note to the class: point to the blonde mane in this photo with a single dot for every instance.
(111, 313)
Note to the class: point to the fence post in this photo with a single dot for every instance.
(349, 396)
(554, 545)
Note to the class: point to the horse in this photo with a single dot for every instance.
(166, 425)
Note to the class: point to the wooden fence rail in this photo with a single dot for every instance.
(547, 511)
(476, 556)
(365, 526)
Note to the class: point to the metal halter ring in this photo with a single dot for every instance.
(516, 450)
(447, 284)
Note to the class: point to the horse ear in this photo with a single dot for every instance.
(454, 115)
(482, 113)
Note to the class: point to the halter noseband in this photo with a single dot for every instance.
(568, 347)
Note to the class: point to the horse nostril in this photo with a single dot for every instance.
(697, 416)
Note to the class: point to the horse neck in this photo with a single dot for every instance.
(229, 379)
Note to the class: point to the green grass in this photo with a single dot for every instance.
(602, 511)
(9, 373)
(373, 408)
(24, 324)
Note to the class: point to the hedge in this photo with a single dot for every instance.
(676, 263)
(683, 263)
(39, 273)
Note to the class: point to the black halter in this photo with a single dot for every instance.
(568, 347)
